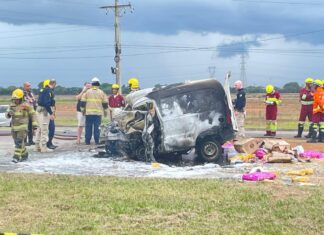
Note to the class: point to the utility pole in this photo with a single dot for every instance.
(243, 70)
(117, 10)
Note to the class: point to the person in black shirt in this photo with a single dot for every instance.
(80, 115)
(239, 108)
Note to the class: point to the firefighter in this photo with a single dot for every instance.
(93, 104)
(306, 100)
(272, 101)
(20, 113)
(318, 113)
(51, 125)
(115, 101)
(133, 84)
(44, 114)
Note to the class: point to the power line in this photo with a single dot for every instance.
(281, 2)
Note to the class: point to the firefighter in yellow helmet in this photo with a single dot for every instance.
(272, 101)
(115, 101)
(306, 99)
(44, 113)
(133, 84)
(20, 113)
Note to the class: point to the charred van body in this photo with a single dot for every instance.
(185, 116)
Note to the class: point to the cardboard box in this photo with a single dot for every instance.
(278, 157)
(248, 146)
(276, 145)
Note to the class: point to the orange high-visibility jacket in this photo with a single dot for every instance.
(318, 106)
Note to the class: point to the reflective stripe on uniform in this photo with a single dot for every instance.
(20, 127)
(303, 102)
(93, 100)
(273, 126)
(275, 100)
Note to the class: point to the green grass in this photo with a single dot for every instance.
(104, 205)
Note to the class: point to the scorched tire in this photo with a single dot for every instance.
(140, 153)
(209, 150)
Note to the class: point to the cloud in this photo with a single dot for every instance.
(236, 48)
(167, 17)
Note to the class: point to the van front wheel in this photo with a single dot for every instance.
(209, 150)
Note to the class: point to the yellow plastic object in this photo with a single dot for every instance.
(243, 157)
(300, 179)
(309, 80)
(155, 164)
(17, 94)
(303, 172)
(269, 89)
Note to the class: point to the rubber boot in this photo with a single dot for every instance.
(300, 131)
(313, 136)
(273, 133)
(309, 131)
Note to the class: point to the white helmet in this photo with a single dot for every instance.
(95, 79)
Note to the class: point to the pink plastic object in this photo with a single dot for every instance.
(312, 154)
(227, 145)
(260, 153)
(259, 176)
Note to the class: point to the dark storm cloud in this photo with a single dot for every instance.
(170, 17)
(235, 48)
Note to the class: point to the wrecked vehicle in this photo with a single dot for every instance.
(192, 115)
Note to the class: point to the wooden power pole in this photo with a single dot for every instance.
(117, 10)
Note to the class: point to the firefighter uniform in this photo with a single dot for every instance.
(115, 102)
(318, 113)
(51, 125)
(306, 111)
(94, 104)
(43, 112)
(272, 101)
(20, 113)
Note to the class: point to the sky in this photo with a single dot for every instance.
(163, 41)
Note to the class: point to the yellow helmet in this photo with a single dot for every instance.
(269, 89)
(133, 83)
(115, 86)
(309, 80)
(46, 83)
(17, 94)
(318, 82)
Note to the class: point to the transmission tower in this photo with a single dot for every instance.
(212, 71)
(117, 9)
(243, 70)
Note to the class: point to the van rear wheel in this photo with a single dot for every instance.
(209, 150)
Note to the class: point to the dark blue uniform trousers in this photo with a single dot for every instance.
(92, 123)
(51, 131)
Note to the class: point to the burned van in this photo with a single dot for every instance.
(186, 116)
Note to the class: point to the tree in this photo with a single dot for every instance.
(291, 87)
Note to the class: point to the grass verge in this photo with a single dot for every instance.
(104, 205)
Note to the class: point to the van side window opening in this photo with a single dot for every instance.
(191, 102)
